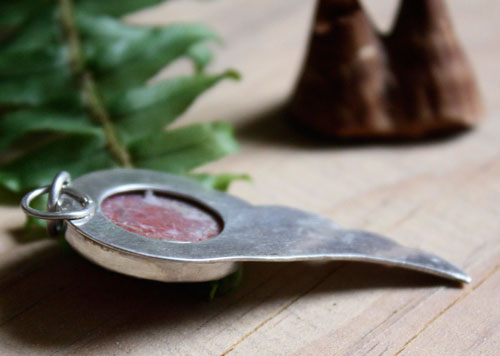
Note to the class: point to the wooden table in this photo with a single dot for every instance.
(443, 197)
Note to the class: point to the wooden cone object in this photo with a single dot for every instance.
(411, 83)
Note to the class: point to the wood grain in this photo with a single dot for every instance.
(442, 196)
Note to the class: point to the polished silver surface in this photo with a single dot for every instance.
(266, 233)
(60, 181)
(249, 233)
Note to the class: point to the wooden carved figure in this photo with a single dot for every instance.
(413, 82)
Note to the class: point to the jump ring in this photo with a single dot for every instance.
(88, 205)
(61, 180)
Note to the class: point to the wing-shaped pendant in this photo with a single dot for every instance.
(245, 232)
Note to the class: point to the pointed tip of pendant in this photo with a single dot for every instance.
(453, 273)
(462, 277)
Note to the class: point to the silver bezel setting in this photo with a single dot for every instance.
(103, 242)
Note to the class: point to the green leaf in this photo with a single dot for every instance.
(19, 14)
(182, 149)
(212, 289)
(19, 123)
(39, 30)
(124, 56)
(142, 111)
(76, 154)
(226, 285)
(15, 13)
(114, 8)
(218, 181)
(32, 62)
(8, 197)
(39, 89)
(201, 55)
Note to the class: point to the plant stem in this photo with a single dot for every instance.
(93, 100)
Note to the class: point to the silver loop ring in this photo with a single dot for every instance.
(88, 205)
(61, 180)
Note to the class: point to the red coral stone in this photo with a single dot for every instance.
(160, 217)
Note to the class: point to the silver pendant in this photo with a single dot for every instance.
(92, 206)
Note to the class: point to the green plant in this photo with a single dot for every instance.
(74, 93)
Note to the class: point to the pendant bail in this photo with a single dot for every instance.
(60, 181)
(54, 213)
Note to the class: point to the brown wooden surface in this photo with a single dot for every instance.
(443, 197)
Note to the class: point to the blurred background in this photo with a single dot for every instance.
(440, 195)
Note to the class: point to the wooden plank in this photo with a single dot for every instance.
(440, 196)
(474, 319)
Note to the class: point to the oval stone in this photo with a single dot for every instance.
(160, 217)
